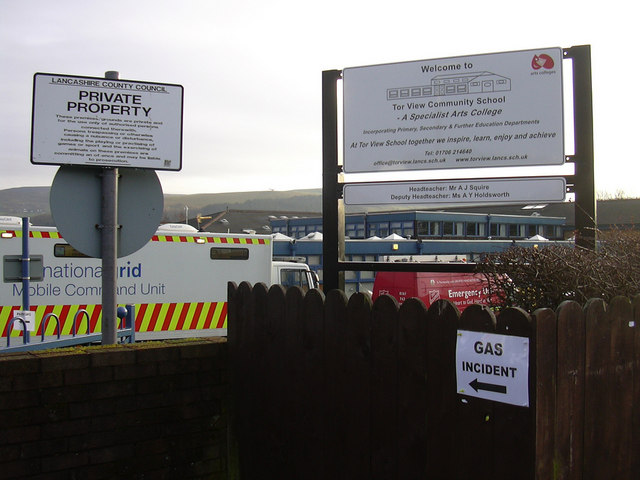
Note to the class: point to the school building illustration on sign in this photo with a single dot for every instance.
(453, 84)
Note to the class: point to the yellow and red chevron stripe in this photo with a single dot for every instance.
(161, 238)
(209, 239)
(32, 234)
(150, 317)
(180, 316)
(65, 314)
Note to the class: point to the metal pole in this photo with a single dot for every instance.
(330, 251)
(585, 195)
(25, 271)
(131, 322)
(109, 248)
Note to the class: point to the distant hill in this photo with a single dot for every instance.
(291, 200)
(34, 203)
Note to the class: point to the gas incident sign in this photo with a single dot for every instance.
(502, 109)
(106, 122)
(494, 367)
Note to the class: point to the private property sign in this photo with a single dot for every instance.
(494, 367)
(492, 110)
(106, 122)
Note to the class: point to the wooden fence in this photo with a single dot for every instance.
(345, 389)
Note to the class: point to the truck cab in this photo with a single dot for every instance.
(293, 274)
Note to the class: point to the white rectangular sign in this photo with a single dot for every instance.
(518, 190)
(104, 122)
(29, 319)
(494, 367)
(502, 109)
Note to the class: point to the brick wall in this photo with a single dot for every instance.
(147, 410)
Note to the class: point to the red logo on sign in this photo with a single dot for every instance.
(542, 61)
(434, 295)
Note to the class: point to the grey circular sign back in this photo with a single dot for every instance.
(76, 201)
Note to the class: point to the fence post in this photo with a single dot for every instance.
(233, 340)
(635, 419)
(358, 370)
(313, 364)
(596, 389)
(474, 422)
(543, 372)
(260, 367)
(342, 396)
(608, 389)
(442, 401)
(292, 384)
(412, 390)
(621, 358)
(513, 439)
(245, 362)
(384, 388)
(569, 437)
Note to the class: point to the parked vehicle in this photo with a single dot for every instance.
(463, 289)
(177, 281)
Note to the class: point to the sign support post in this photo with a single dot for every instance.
(26, 271)
(585, 195)
(331, 275)
(109, 247)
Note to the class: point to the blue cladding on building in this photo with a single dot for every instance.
(414, 236)
(431, 225)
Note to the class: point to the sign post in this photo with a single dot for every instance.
(585, 196)
(332, 214)
(110, 124)
(26, 271)
(109, 248)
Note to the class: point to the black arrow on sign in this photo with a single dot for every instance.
(489, 387)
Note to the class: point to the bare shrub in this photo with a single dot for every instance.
(544, 277)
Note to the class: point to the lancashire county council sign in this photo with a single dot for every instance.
(105, 122)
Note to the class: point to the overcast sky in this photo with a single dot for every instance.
(251, 71)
